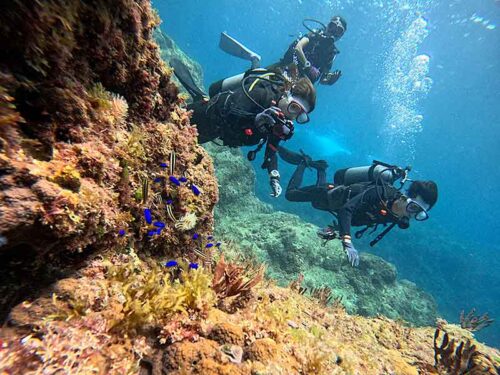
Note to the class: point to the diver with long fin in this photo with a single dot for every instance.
(360, 196)
(257, 107)
(313, 54)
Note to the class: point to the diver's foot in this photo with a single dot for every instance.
(319, 164)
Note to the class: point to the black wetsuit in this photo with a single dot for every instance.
(320, 52)
(230, 116)
(357, 204)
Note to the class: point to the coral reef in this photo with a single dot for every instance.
(174, 326)
(104, 189)
(87, 114)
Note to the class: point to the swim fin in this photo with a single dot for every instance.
(186, 79)
(233, 47)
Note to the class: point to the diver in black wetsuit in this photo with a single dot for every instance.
(259, 110)
(369, 203)
(314, 53)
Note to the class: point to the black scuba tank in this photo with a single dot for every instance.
(370, 173)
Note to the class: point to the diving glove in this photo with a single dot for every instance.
(275, 183)
(265, 120)
(330, 78)
(352, 253)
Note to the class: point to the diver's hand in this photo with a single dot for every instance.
(314, 73)
(275, 183)
(265, 120)
(352, 253)
(331, 78)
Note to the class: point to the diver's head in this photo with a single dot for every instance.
(336, 27)
(298, 102)
(419, 199)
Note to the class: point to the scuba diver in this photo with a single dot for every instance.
(360, 196)
(313, 54)
(257, 107)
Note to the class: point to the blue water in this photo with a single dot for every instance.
(420, 86)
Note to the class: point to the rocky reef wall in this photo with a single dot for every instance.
(90, 133)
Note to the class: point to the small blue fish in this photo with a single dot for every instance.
(171, 263)
(169, 201)
(174, 180)
(158, 179)
(147, 216)
(195, 189)
(163, 165)
(183, 179)
(151, 233)
(209, 245)
(158, 231)
(159, 224)
(218, 244)
(196, 236)
(194, 266)
(210, 237)
(121, 232)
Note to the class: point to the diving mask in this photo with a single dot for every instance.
(336, 28)
(416, 210)
(297, 109)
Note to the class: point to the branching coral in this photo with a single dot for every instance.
(461, 359)
(474, 323)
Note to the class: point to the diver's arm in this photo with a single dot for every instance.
(271, 163)
(270, 157)
(345, 214)
(299, 49)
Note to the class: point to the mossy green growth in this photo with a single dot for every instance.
(150, 294)
(67, 177)
(100, 97)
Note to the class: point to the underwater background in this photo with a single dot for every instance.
(420, 86)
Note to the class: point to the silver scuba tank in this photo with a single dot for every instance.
(371, 173)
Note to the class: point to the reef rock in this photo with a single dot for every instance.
(90, 132)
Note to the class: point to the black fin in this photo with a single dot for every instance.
(186, 79)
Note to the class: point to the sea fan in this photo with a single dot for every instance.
(187, 222)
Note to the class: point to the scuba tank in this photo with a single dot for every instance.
(378, 172)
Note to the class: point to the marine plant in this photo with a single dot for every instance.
(230, 280)
(150, 294)
(474, 323)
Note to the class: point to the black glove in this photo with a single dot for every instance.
(327, 233)
(330, 78)
(265, 120)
